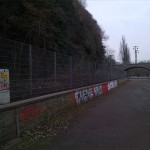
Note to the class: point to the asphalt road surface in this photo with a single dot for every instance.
(119, 120)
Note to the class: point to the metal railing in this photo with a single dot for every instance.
(34, 71)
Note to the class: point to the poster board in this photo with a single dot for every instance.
(4, 86)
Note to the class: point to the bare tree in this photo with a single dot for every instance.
(109, 56)
(124, 53)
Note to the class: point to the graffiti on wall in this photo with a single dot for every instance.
(97, 90)
(105, 87)
(30, 112)
(84, 95)
(33, 111)
(112, 85)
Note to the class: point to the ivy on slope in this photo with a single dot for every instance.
(62, 25)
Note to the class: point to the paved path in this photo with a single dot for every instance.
(119, 120)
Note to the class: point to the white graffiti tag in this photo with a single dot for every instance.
(112, 85)
(98, 90)
(83, 95)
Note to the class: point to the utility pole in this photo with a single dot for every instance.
(136, 51)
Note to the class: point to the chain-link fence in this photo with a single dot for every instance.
(34, 71)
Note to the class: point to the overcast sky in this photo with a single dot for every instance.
(124, 17)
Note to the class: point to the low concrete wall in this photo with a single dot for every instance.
(19, 116)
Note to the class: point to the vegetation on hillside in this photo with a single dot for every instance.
(62, 25)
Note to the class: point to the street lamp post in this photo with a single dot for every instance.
(136, 51)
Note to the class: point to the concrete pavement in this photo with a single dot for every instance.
(119, 120)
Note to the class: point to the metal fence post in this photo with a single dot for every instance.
(95, 73)
(81, 72)
(71, 71)
(17, 125)
(101, 78)
(89, 73)
(30, 65)
(55, 70)
(110, 72)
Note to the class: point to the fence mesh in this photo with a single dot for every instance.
(34, 71)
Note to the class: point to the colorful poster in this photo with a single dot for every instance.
(4, 86)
